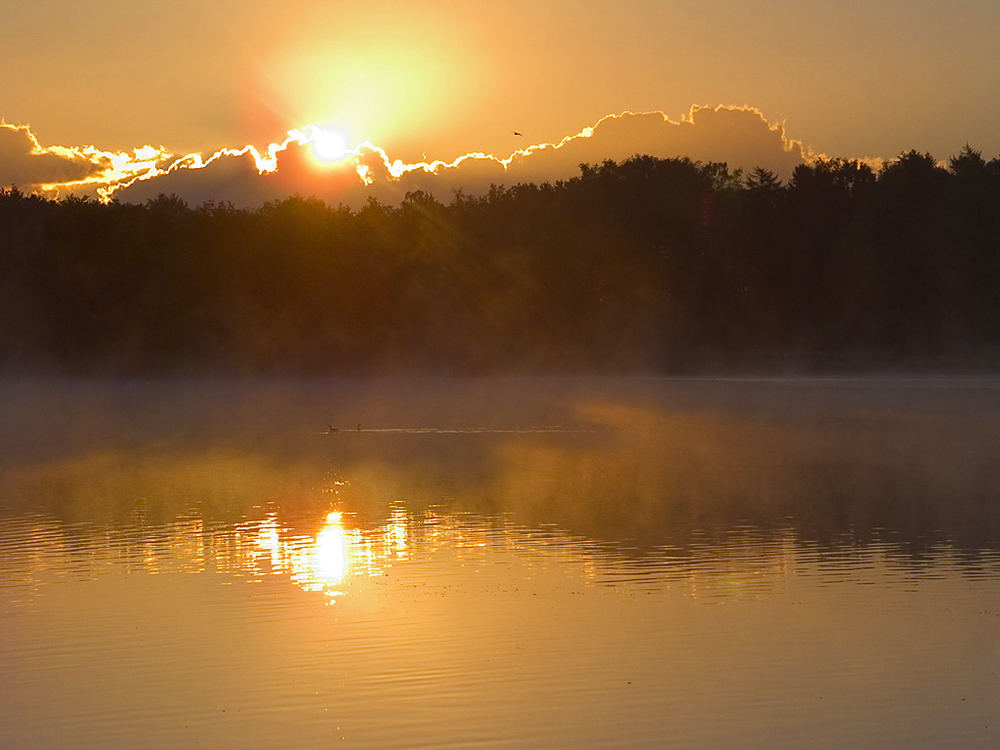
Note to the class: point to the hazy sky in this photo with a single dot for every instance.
(848, 78)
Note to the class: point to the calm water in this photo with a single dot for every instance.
(501, 563)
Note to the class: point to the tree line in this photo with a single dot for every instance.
(662, 265)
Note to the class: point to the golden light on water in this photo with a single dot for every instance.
(314, 563)
(329, 562)
(396, 533)
(326, 561)
(341, 559)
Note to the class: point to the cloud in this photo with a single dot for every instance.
(24, 162)
(56, 171)
(740, 136)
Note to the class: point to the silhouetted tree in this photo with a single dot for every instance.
(663, 264)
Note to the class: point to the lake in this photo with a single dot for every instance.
(507, 562)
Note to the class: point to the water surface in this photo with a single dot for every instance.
(496, 563)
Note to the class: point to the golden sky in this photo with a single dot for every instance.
(439, 79)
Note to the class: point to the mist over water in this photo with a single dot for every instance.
(614, 458)
(535, 561)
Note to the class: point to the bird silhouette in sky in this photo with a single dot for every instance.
(516, 133)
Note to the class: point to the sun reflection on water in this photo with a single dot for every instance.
(332, 553)
(325, 562)
(314, 563)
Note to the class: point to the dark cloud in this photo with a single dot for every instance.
(741, 137)
(234, 179)
(23, 162)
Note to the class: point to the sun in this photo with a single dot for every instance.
(382, 74)
(328, 146)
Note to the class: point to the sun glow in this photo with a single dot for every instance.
(394, 73)
(329, 146)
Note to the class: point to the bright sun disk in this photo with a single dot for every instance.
(329, 146)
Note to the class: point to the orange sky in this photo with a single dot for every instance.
(445, 78)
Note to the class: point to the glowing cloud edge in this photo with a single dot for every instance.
(114, 171)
